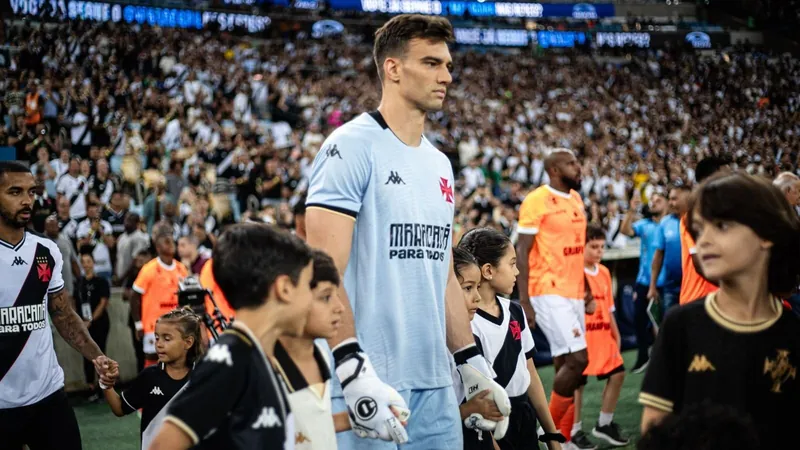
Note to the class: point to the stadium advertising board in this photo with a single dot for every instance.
(478, 9)
(519, 38)
(696, 39)
(162, 17)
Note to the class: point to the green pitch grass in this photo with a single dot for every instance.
(101, 430)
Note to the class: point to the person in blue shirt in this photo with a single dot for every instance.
(646, 229)
(665, 290)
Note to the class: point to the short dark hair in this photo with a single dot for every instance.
(393, 37)
(486, 245)
(87, 250)
(461, 260)
(324, 269)
(707, 167)
(594, 232)
(249, 257)
(702, 426)
(680, 187)
(11, 167)
(766, 211)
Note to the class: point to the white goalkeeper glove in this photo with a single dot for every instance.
(371, 403)
(476, 376)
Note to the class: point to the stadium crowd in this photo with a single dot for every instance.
(134, 133)
(194, 131)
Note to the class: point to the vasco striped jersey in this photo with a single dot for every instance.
(507, 344)
(29, 370)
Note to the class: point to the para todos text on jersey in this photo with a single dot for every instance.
(418, 241)
(17, 319)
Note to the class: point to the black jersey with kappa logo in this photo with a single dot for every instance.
(150, 391)
(702, 355)
(234, 399)
(29, 370)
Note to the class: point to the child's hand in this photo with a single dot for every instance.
(485, 406)
(591, 306)
(553, 446)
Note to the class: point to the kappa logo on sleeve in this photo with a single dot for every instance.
(220, 354)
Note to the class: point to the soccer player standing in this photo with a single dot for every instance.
(381, 203)
(33, 407)
(552, 234)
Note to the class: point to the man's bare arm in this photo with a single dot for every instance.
(136, 306)
(626, 227)
(459, 332)
(70, 326)
(332, 233)
(655, 269)
(524, 245)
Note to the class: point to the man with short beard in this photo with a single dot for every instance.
(34, 410)
(552, 235)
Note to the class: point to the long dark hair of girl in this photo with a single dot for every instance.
(486, 244)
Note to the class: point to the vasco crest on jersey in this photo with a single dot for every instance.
(43, 269)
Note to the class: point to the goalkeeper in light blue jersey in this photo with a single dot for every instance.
(381, 203)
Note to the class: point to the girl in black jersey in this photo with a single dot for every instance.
(179, 345)
(468, 274)
(501, 331)
(738, 347)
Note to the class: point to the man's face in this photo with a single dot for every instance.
(51, 227)
(17, 191)
(423, 74)
(63, 207)
(570, 171)
(678, 201)
(658, 204)
(93, 212)
(74, 167)
(165, 247)
(186, 249)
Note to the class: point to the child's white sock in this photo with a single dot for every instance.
(576, 427)
(605, 418)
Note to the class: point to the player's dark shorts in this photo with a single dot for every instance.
(522, 425)
(47, 425)
(605, 376)
(473, 442)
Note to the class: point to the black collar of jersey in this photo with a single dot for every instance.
(16, 246)
(495, 320)
(294, 379)
(379, 118)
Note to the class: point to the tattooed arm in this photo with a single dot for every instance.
(70, 326)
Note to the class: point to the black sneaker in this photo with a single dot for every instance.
(581, 441)
(611, 434)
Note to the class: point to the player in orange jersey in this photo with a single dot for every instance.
(155, 293)
(694, 285)
(603, 343)
(552, 232)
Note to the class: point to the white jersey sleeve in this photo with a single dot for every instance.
(340, 174)
(56, 278)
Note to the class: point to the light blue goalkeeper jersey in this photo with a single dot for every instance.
(402, 201)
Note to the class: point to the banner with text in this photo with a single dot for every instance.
(478, 9)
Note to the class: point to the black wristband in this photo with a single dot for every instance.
(344, 351)
(553, 437)
(462, 356)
